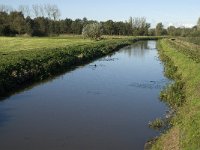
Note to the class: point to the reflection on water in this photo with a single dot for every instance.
(105, 105)
(144, 47)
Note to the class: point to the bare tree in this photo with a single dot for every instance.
(52, 11)
(36, 10)
(55, 12)
(41, 9)
(138, 22)
(25, 10)
(5, 8)
(47, 9)
(198, 24)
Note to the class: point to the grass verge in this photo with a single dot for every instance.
(182, 65)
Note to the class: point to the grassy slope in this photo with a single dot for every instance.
(185, 133)
(25, 60)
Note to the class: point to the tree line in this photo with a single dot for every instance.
(44, 20)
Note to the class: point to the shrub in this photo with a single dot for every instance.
(92, 31)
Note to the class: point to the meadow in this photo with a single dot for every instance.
(10, 44)
(194, 40)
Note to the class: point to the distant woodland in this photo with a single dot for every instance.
(44, 20)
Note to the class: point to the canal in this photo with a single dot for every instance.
(104, 105)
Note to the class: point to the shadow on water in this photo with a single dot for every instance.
(29, 86)
(4, 117)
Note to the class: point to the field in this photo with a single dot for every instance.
(194, 40)
(9, 44)
(182, 63)
(25, 60)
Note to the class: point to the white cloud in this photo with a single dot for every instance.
(179, 24)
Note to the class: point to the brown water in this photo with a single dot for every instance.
(106, 106)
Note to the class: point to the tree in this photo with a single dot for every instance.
(36, 10)
(77, 26)
(146, 29)
(4, 24)
(92, 31)
(18, 22)
(5, 8)
(139, 26)
(52, 11)
(151, 32)
(29, 25)
(41, 27)
(55, 12)
(198, 24)
(25, 10)
(171, 30)
(159, 29)
(109, 27)
(68, 25)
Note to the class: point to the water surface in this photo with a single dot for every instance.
(105, 105)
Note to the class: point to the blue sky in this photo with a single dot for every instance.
(170, 12)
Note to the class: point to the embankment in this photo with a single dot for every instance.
(21, 68)
(182, 64)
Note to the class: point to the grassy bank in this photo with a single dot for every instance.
(182, 63)
(26, 60)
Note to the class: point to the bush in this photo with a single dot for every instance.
(92, 31)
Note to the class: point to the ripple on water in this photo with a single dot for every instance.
(150, 84)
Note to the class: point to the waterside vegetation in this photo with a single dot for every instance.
(182, 65)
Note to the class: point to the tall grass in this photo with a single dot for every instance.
(194, 40)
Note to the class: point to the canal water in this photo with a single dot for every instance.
(104, 105)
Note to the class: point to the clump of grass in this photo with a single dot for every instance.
(157, 124)
(174, 94)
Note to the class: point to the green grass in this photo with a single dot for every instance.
(185, 132)
(194, 40)
(9, 44)
(190, 49)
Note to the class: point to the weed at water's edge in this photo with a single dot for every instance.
(156, 124)
(184, 134)
(173, 94)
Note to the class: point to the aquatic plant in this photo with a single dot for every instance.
(156, 124)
